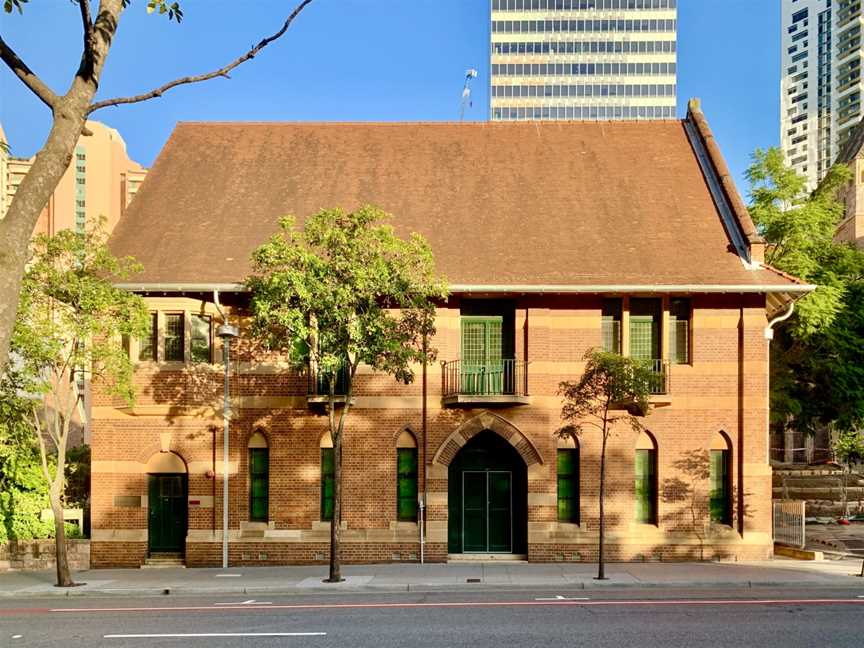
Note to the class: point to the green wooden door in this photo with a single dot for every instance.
(487, 513)
(500, 523)
(474, 496)
(645, 317)
(167, 506)
(482, 365)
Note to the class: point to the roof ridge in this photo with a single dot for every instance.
(742, 214)
(477, 123)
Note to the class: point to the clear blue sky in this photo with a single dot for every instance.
(360, 60)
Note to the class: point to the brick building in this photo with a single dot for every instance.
(555, 238)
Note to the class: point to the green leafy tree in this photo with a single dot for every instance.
(23, 489)
(99, 22)
(341, 291)
(71, 321)
(612, 392)
(817, 375)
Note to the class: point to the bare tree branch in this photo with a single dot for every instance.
(27, 76)
(86, 67)
(221, 72)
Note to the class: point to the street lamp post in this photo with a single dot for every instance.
(226, 332)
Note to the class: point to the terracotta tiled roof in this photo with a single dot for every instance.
(551, 203)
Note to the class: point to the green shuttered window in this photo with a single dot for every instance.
(646, 486)
(406, 484)
(147, 344)
(611, 325)
(327, 469)
(174, 342)
(201, 350)
(482, 365)
(679, 331)
(645, 315)
(259, 484)
(720, 492)
(568, 485)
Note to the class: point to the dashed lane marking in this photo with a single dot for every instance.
(209, 635)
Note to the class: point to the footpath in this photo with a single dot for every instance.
(438, 577)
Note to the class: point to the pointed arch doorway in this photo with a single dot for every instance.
(487, 498)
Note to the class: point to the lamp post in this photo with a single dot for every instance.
(226, 332)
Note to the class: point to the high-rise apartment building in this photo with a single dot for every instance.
(821, 82)
(100, 182)
(583, 59)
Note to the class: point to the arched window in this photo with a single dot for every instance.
(328, 467)
(259, 478)
(646, 479)
(720, 477)
(406, 477)
(567, 467)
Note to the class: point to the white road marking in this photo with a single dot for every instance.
(558, 597)
(249, 602)
(17, 636)
(227, 576)
(208, 635)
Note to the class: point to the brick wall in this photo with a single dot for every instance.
(723, 389)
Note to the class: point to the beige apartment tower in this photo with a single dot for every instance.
(583, 59)
(100, 182)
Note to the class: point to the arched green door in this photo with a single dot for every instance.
(487, 499)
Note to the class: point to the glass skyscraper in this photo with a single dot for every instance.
(583, 59)
(820, 96)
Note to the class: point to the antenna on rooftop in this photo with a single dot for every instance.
(466, 93)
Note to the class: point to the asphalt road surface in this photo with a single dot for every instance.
(641, 618)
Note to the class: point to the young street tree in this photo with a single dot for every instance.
(342, 291)
(70, 112)
(612, 391)
(70, 324)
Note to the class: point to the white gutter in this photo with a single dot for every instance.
(519, 288)
(629, 288)
(182, 287)
(769, 330)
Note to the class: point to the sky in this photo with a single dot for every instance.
(359, 60)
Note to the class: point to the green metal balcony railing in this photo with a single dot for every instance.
(317, 384)
(658, 384)
(501, 378)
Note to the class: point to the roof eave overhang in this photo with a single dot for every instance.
(587, 289)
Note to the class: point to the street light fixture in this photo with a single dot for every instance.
(226, 332)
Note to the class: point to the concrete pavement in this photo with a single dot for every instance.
(438, 577)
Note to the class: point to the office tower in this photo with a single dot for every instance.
(100, 182)
(583, 59)
(820, 82)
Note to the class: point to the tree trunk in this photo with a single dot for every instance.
(64, 575)
(336, 522)
(36, 188)
(601, 566)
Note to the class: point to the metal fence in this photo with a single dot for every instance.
(789, 523)
(806, 455)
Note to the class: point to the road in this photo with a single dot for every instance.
(642, 618)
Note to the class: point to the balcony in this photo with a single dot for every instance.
(658, 384)
(317, 392)
(503, 383)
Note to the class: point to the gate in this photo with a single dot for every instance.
(789, 523)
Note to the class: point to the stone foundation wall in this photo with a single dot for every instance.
(40, 554)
